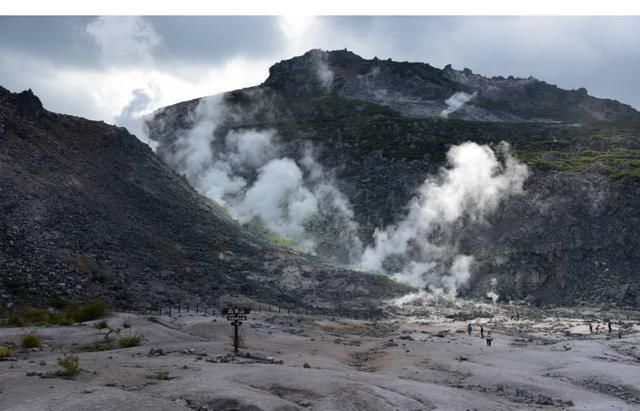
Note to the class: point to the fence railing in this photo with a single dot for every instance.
(172, 309)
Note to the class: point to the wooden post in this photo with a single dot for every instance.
(236, 338)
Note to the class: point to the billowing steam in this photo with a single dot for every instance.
(246, 172)
(293, 197)
(421, 249)
(455, 102)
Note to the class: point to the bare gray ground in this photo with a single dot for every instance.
(421, 359)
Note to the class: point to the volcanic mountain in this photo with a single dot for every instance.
(383, 127)
(87, 210)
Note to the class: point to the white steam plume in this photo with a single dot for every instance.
(246, 172)
(455, 102)
(421, 249)
(324, 73)
(132, 117)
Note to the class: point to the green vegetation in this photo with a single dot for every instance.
(6, 352)
(28, 316)
(162, 375)
(88, 311)
(30, 341)
(70, 365)
(131, 341)
(101, 325)
(614, 161)
(257, 227)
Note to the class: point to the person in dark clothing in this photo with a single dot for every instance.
(469, 329)
(590, 328)
(609, 325)
(481, 332)
(489, 339)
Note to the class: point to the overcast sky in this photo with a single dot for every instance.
(116, 68)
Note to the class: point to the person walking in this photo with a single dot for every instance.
(469, 329)
(590, 328)
(481, 331)
(489, 339)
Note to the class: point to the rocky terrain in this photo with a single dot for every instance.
(378, 126)
(421, 90)
(87, 210)
(420, 359)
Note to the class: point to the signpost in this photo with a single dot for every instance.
(236, 315)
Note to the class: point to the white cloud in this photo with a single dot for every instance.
(124, 40)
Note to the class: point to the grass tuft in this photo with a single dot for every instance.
(70, 365)
(30, 341)
(6, 352)
(131, 341)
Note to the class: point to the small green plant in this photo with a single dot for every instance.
(162, 375)
(30, 341)
(70, 365)
(131, 341)
(6, 352)
(101, 325)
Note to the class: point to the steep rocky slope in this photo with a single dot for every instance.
(570, 238)
(88, 210)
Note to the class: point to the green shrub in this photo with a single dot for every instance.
(162, 375)
(15, 321)
(30, 341)
(30, 316)
(70, 365)
(101, 325)
(6, 352)
(131, 341)
(91, 310)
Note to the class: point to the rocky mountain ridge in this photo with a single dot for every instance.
(421, 90)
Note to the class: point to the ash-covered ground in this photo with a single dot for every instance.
(419, 358)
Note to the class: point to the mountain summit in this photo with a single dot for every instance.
(421, 90)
